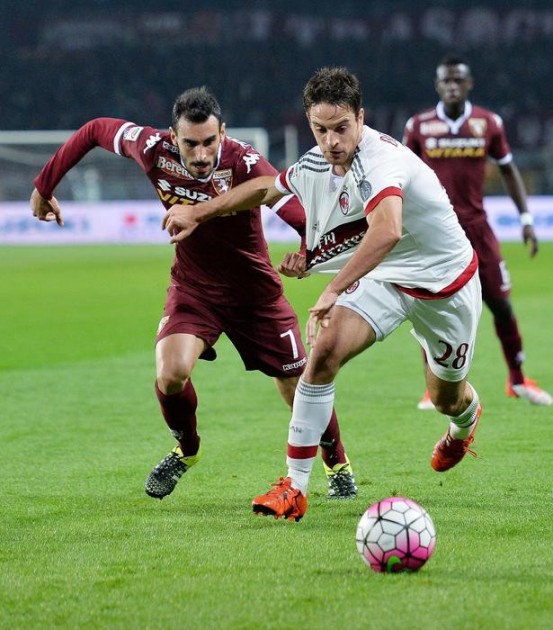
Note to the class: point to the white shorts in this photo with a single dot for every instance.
(446, 329)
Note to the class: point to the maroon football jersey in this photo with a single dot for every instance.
(457, 151)
(224, 260)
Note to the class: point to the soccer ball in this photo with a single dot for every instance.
(395, 534)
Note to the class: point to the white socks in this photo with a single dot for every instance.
(311, 414)
(461, 425)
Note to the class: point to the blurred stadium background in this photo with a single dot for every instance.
(65, 62)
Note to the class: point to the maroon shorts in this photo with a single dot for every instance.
(492, 269)
(267, 336)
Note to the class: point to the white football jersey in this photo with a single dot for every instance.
(433, 251)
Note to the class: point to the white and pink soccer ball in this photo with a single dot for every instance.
(395, 534)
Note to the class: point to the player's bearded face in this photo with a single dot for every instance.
(337, 130)
(199, 144)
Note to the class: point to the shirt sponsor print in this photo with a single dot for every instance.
(179, 194)
(169, 146)
(434, 128)
(455, 147)
(172, 167)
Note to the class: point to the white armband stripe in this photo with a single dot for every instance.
(117, 138)
(505, 160)
(278, 204)
(280, 187)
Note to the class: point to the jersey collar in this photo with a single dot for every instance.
(454, 125)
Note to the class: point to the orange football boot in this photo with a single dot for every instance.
(448, 452)
(281, 501)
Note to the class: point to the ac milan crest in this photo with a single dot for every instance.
(352, 287)
(344, 202)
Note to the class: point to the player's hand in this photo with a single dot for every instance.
(293, 265)
(46, 209)
(180, 222)
(320, 314)
(529, 237)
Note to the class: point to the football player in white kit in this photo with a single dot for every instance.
(379, 219)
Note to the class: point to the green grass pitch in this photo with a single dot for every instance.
(82, 546)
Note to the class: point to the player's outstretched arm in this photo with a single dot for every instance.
(99, 132)
(181, 220)
(46, 209)
(383, 233)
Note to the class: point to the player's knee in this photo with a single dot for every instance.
(323, 369)
(171, 381)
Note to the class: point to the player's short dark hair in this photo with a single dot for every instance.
(453, 59)
(196, 105)
(336, 86)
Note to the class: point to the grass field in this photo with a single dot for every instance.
(82, 546)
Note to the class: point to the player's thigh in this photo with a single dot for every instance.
(495, 279)
(268, 338)
(185, 313)
(176, 356)
(447, 329)
(380, 304)
(344, 335)
(492, 269)
(366, 312)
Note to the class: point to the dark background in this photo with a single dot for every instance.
(63, 63)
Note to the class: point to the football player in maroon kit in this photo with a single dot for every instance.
(456, 138)
(222, 280)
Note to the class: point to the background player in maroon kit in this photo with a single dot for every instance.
(222, 280)
(455, 138)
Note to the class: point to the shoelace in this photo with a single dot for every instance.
(277, 485)
(464, 444)
(170, 463)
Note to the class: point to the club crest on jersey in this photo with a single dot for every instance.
(222, 181)
(365, 189)
(344, 202)
(352, 287)
(478, 126)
